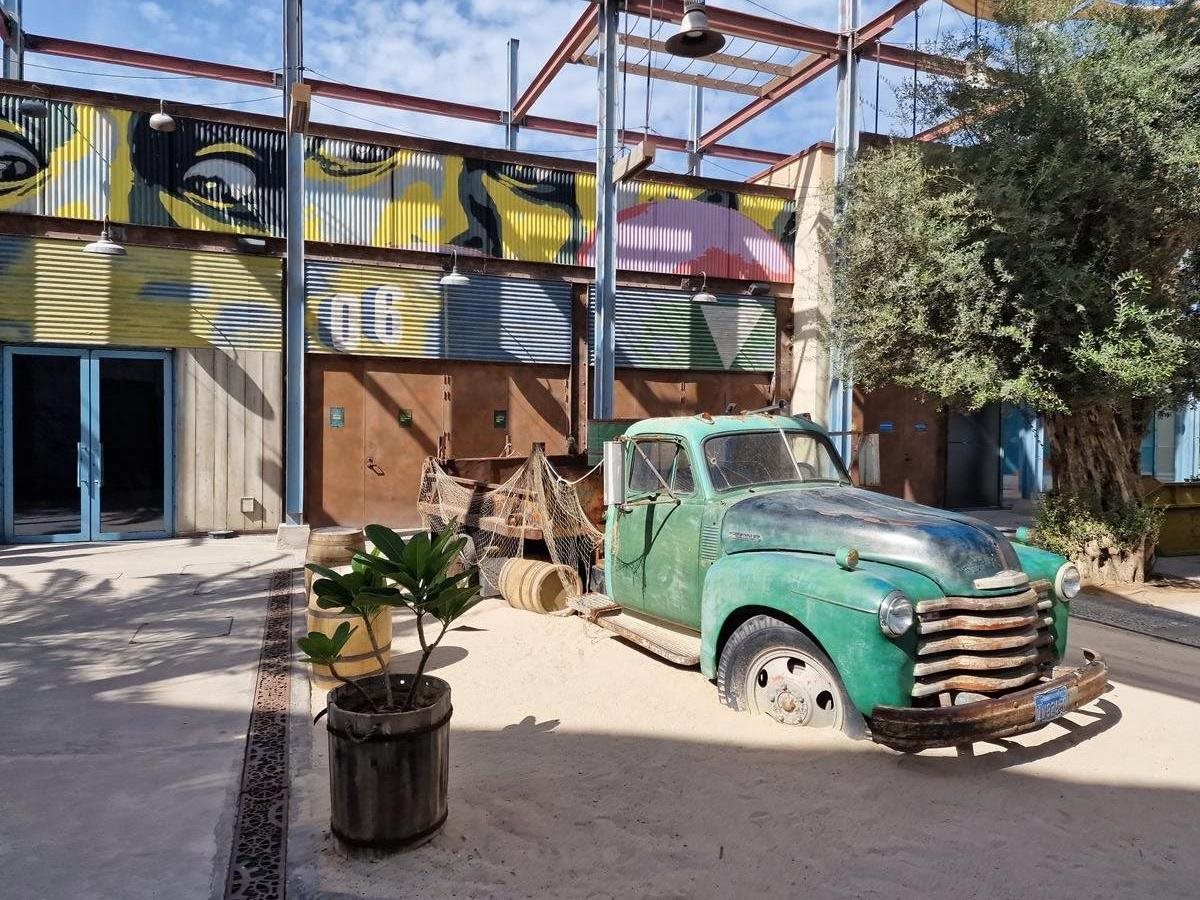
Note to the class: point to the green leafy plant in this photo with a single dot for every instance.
(420, 581)
(1101, 539)
(1045, 255)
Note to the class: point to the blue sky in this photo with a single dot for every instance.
(453, 51)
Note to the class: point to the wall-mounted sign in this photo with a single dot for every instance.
(886, 426)
(500, 418)
(404, 417)
(337, 417)
(920, 426)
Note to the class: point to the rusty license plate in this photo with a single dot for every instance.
(1050, 704)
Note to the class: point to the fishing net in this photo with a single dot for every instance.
(535, 513)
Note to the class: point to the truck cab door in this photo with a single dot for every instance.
(655, 543)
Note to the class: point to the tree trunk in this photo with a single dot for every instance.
(1095, 455)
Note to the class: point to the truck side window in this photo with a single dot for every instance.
(668, 459)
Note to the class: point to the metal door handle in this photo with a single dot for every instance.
(374, 466)
(99, 465)
(79, 464)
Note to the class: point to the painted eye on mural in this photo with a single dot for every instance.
(220, 180)
(17, 161)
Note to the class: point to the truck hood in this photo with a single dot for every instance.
(950, 549)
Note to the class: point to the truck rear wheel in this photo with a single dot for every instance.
(767, 666)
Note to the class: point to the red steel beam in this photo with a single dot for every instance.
(807, 71)
(574, 43)
(744, 25)
(140, 59)
(907, 58)
(409, 102)
(6, 35)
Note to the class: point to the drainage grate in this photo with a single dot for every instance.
(258, 858)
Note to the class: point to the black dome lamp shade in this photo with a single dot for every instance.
(694, 38)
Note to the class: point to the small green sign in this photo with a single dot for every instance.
(405, 418)
(337, 417)
(500, 418)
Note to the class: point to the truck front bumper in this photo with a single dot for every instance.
(911, 729)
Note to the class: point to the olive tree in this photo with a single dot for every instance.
(1045, 255)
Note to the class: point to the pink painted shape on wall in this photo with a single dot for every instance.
(691, 236)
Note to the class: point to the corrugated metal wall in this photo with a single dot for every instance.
(86, 162)
(381, 311)
(657, 329)
(52, 292)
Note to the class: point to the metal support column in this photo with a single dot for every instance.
(695, 154)
(510, 127)
(14, 53)
(293, 465)
(845, 143)
(605, 239)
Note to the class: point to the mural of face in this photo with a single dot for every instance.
(208, 176)
(22, 166)
(88, 162)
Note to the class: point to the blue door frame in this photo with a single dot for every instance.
(90, 462)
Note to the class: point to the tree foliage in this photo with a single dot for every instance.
(1048, 256)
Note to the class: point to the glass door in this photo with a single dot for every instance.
(131, 444)
(47, 492)
(87, 444)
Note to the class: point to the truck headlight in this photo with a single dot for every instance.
(1067, 582)
(895, 614)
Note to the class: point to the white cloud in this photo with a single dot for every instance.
(453, 50)
(152, 12)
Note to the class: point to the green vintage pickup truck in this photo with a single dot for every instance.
(740, 544)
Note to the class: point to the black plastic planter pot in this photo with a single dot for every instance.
(388, 772)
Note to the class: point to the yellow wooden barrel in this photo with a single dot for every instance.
(538, 586)
(357, 659)
(332, 547)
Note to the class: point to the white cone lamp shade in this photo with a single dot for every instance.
(704, 295)
(454, 278)
(695, 38)
(162, 120)
(104, 245)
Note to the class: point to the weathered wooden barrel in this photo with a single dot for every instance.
(332, 547)
(389, 772)
(357, 660)
(538, 586)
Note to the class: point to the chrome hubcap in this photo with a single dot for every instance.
(794, 689)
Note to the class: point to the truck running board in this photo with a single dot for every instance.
(678, 647)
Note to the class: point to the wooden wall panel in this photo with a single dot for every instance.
(229, 435)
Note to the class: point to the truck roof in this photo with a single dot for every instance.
(697, 428)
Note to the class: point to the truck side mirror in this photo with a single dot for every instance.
(614, 473)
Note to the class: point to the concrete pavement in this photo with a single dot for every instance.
(126, 675)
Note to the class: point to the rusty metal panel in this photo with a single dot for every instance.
(52, 292)
(382, 311)
(661, 329)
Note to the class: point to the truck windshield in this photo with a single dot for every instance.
(752, 458)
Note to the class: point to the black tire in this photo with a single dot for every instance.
(762, 636)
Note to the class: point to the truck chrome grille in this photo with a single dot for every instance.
(983, 644)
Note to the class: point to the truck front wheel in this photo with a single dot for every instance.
(767, 666)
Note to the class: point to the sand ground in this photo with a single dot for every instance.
(583, 767)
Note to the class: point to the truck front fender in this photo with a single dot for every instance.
(839, 609)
